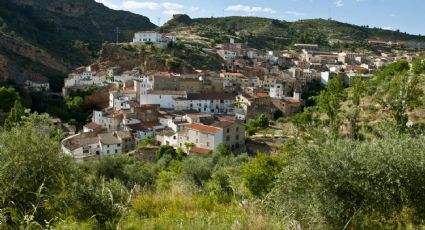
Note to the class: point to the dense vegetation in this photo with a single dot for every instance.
(266, 33)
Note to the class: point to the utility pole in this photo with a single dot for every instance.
(117, 31)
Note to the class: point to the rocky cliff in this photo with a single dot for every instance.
(54, 36)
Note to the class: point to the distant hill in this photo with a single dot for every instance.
(273, 33)
(66, 33)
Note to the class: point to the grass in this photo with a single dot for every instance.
(187, 211)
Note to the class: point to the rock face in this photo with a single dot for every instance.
(44, 36)
(63, 7)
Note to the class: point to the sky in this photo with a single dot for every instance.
(404, 15)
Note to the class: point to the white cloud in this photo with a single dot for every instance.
(295, 13)
(171, 12)
(168, 7)
(133, 5)
(339, 3)
(172, 6)
(387, 28)
(393, 15)
(250, 9)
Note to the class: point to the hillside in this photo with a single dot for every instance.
(66, 32)
(177, 58)
(272, 33)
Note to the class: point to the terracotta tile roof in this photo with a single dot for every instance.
(262, 94)
(200, 150)
(91, 125)
(203, 128)
(151, 124)
(293, 101)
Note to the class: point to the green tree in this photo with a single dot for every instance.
(32, 170)
(197, 169)
(147, 142)
(418, 65)
(263, 121)
(189, 145)
(345, 183)
(260, 172)
(223, 150)
(329, 101)
(357, 91)
(15, 115)
(220, 186)
(8, 96)
(401, 95)
(166, 150)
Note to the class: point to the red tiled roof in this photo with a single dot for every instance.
(200, 150)
(91, 125)
(151, 124)
(262, 94)
(203, 128)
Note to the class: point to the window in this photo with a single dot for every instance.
(237, 137)
(107, 151)
(196, 141)
(228, 130)
(227, 138)
(208, 144)
(237, 129)
(119, 145)
(116, 150)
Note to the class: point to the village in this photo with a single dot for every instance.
(199, 111)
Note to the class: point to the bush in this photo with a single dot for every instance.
(260, 172)
(166, 150)
(356, 185)
(220, 186)
(197, 169)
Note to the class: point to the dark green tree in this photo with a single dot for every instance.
(8, 96)
(166, 150)
(263, 121)
(15, 115)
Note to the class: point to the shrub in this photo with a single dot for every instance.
(260, 172)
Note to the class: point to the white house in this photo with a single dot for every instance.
(215, 103)
(227, 55)
(153, 36)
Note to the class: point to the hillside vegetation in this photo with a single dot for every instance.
(273, 33)
(177, 58)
